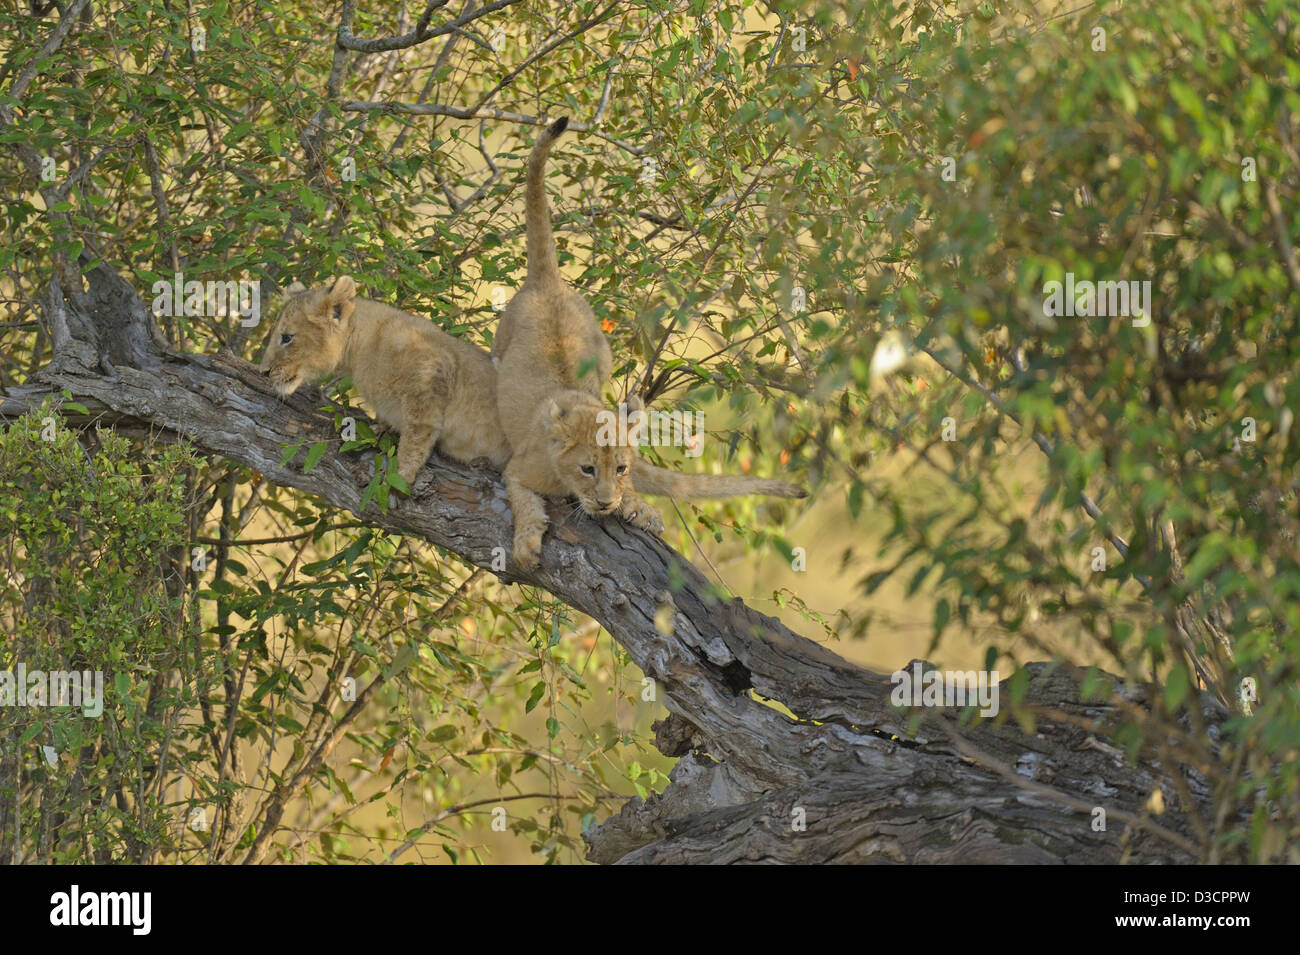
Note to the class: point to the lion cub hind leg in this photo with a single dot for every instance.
(640, 514)
(529, 511)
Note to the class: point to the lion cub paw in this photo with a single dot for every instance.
(527, 551)
(644, 516)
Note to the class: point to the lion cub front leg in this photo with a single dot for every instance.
(413, 446)
(640, 514)
(529, 512)
(427, 393)
(421, 426)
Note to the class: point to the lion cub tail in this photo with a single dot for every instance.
(648, 479)
(542, 262)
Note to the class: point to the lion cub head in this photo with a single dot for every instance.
(310, 335)
(593, 469)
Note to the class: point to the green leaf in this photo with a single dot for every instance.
(405, 654)
(942, 611)
(855, 498)
(314, 455)
(30, 733)
(1176, 687)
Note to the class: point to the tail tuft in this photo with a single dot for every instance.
(557, 127)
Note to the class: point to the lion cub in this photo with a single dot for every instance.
(430, 387)
(552, 362)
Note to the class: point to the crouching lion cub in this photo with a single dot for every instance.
(433, 389)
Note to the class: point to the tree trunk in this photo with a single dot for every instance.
(850, 779)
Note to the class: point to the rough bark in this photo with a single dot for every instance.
(869, 782)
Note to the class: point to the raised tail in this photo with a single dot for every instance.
(648, 479)
(542, 263)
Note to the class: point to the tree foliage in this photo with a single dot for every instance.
(756, 197)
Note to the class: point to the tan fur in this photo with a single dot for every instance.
(649, 479)
(552, 362)
(430, 387)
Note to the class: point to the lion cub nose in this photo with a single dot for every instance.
(604, 505)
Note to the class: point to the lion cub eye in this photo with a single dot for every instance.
(622, 469)
(286, 338)
(588, 470)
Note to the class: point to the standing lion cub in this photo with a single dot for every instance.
(552, 362)
(431, 388)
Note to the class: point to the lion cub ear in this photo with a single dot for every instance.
(340, 299)
(343, 289)
(561, 420)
